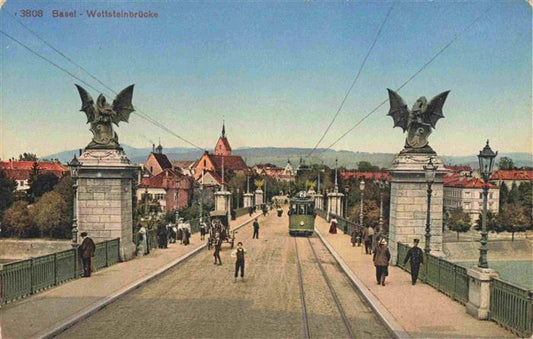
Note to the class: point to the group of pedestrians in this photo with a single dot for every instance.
(376, 245)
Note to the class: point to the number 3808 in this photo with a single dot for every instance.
(31, 13)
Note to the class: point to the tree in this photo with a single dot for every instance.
(50, 215)
(459, 221)
(42, 184)
(514, 218)
(506, 164)
(27, 157)
(17, 221)
(7, 189)
(366, 166)
(493, 223)
(504, 194)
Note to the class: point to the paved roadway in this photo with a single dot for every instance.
(199, 299)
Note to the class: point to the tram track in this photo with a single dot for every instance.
(331, 289)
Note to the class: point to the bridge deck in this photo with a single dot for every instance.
(199, 299)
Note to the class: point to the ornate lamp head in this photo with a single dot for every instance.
(362, 184)
(429, 171)
(74, 167)
(486, 161)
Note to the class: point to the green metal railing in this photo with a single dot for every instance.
(512, 307)
(22, 278)
(445, 276)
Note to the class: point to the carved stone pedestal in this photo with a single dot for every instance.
(105, 197)
(479, 291)
(258, 197)
(408, 202)
(319, 201)
(248, 199)
(335, 203)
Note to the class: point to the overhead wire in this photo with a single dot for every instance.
(424, 66)
(138, 111)
(354, 81)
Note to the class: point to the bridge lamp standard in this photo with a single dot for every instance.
(429, 171)
(381, 185)
(486, 163)
(362, 189)
(74, 166)
(346, 191)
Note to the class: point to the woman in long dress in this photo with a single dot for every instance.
(333, 226)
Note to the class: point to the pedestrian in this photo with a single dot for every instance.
(239, 263)
(369, 236)
(143, 241)
(333, 226)
(416, 257)
(381, 261)
(163, 235)
(218, 245)
(353, 236)
(203, 228)
(86, 252)
(186, 236)
(256, 229)
(251, 211)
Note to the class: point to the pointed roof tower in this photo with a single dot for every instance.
(222, 147)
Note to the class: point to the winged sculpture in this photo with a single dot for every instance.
(101, 115)
(419, 121)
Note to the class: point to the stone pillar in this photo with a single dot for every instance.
(478, 304)
(223, 201)
(408, 202)
(319, 201)
(258, 197)
(335, 205)
(105, 197)
(248, 199)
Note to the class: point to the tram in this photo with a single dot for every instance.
(302, 215)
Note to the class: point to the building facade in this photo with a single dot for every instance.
(168, 189)
(467, 193)
(20, 171)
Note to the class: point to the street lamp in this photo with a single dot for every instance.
(362, 188)
(429, 170)
(74, 167)
(486, 162)
(238, 197)
(346, 191)
(381, 186)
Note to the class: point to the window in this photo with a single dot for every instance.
(466, 206)
(159, 196)
(480, 195)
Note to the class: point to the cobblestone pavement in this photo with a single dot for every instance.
(421, 310)
(32, 315)
(200, 300)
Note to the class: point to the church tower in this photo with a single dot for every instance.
(222, 147)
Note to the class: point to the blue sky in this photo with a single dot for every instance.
(275, 71)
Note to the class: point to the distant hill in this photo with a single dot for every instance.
(280, 155)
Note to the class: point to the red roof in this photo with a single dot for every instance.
(21, 170)
(367, 175)
(458, 168)
(231, 162)
(512, 175)
(164, 179)
(215, 176)
(455, 180)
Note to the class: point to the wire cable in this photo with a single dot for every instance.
(354, 81)
(138, 111)
(424, 66)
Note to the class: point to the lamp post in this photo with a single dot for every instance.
(346, 191)
(238, 197)
(429, 170)
(486, 162)
(362, 189)
(74, 167)
(381, 185)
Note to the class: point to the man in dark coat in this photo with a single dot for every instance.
(256, 229)
(416, 256)
(381, 261)
(218, 246)
(239, 263)
(86, 252)
(162, 234)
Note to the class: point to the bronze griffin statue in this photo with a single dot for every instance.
(101, 116)
(419, 121)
